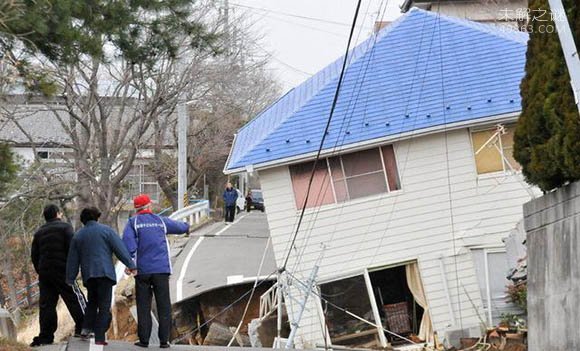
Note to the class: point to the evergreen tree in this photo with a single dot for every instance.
(8, 168)
(547, 137)
(138, 30)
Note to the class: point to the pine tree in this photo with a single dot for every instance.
(8, 168)
(138, 30)
(547, 137)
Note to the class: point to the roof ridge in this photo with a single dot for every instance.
(503, 32)
(356, 53)
(276, 134)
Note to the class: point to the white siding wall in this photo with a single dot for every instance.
(413, 223)
(497, 12)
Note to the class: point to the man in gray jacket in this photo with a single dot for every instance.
(92, 248)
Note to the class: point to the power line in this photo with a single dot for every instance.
(321, 20)
(335, 100)
(282, 62)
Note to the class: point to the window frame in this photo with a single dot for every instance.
(504, 160)
(383, 170)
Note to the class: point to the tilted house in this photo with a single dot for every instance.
(416, 184)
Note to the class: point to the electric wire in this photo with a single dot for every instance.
(252, 294)
(359, 82)
(323, 136)
(452, 219)
(342, 309)
(321, 20)
(314, 214)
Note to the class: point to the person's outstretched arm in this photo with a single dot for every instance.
(175, 227)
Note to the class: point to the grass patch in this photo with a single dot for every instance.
(9, 345)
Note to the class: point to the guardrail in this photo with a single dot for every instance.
(193, 214)
(23, 297)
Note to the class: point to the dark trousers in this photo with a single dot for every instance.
(98, 313)
(230, 213)
(147, 285)
(51, 287)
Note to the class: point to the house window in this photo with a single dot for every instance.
(346, 177)
(391, 297)
(42, 155)
(320, 191)
(493, 150)
(140, 180)
(343, 329)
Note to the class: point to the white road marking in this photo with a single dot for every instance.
(94, 347)
(179, 283)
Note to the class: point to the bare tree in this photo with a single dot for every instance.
(110, 110)
(227, 91)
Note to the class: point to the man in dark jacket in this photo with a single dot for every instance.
(230, 198)
(49, 255)
(145, 238)
(92, 248)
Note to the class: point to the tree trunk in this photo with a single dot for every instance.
(12, 289)
(26, 270)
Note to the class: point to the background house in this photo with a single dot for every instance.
(415, 187)
(36, 135)
(510, 13)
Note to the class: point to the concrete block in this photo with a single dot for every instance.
(553, 227)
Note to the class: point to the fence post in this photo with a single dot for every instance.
(7, 327)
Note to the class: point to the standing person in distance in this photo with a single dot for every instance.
(145, 237)
(49, 253)
(230, 196)
(92, 248)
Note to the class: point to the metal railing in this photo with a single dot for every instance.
(269, 301)
(23, 297)
(192, 214)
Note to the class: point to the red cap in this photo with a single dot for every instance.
(141, 201)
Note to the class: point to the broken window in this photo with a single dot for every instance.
(397, 299)
(493, 149)
(396, 303)
(352, 295)
(346, 177)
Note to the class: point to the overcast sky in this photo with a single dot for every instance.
(303, 36)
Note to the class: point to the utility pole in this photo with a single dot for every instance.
(568, 46)
(181, 154)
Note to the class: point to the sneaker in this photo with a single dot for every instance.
(141, 344)
(164, 346)
(104, 343)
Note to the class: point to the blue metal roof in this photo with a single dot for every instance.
(424, 70)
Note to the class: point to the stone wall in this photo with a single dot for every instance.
(552, 223)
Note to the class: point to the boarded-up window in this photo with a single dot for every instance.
(493, 149)
(320, 191)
